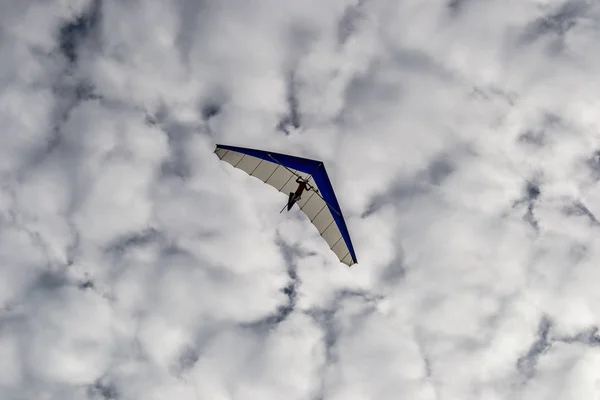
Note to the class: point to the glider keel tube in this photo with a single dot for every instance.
(281, 171)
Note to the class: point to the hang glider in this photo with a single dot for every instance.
(292, 176)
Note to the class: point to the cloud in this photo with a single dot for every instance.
(460, 139)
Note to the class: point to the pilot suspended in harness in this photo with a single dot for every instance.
(297, 195)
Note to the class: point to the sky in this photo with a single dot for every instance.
(461, 137)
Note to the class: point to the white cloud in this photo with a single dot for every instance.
(461, 140)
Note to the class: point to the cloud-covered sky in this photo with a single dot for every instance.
(462, 138)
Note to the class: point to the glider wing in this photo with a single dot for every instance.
(280, 171)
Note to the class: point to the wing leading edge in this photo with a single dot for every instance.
(280, 171)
